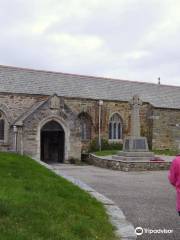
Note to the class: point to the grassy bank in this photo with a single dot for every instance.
(36, 204)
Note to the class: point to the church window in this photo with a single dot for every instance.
(110, 130)
(85, 126)
(115, 127)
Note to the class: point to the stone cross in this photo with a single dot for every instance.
(135, 103)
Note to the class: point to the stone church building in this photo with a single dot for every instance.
(54, 116)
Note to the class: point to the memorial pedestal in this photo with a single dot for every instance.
(135, 149)
(135, 144)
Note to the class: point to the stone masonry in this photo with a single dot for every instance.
(29, 99)
(160, 126)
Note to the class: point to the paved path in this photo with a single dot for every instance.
(146, 198)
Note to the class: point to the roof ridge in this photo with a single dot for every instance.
(89, 76)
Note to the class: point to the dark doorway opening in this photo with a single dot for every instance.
(52, 142)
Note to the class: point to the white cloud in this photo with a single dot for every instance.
(135, 55)
(168, 25)
(128, 39)
(77, 42)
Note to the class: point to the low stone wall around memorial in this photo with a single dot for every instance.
(126, 166)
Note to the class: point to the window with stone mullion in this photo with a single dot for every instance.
(83, 131)
(115, 127)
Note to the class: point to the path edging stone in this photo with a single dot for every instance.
(124, 229)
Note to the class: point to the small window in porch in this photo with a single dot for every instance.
(85, 126)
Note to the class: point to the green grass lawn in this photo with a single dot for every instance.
(35, 204)
(106, 152)
(167, 152)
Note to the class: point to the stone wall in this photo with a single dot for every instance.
(17, 104)
(160, 126)
(166, 129)
(66, 118)
(108, 108)
(13, 106)
(126, 166)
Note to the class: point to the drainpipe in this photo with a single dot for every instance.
(21, 132)
(15, 138)
(100, 109)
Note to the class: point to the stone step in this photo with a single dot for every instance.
(131, 158)
(136, 154)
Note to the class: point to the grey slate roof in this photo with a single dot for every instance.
(28, 81)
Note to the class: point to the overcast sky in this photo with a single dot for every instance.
(126, 39)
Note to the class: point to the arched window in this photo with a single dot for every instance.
(2, 126)
(85, 126)
(115, 127)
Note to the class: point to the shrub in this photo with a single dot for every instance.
(74, 160)
(105, 145)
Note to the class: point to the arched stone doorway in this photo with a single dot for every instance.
(52, 142)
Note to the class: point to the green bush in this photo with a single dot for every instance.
(105, 145)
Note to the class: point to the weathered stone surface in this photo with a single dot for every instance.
(160, 126)
(135, 103)
(135, 144)
(135, 147)
(127, 165)
(166, 129)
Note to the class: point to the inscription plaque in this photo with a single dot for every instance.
(139, 144)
